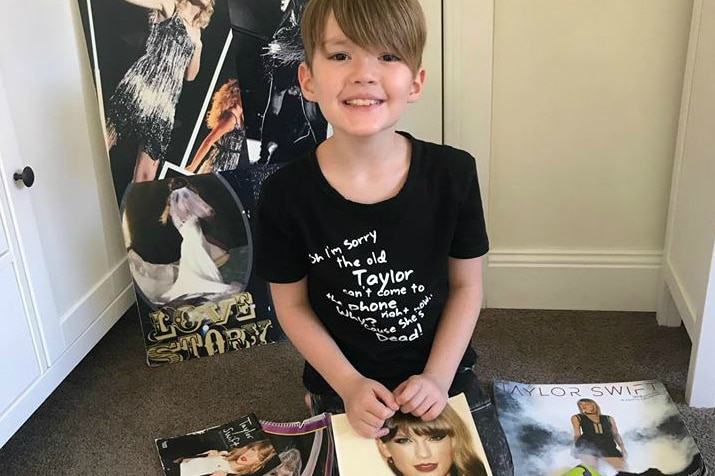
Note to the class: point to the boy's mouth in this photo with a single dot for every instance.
(362, 102)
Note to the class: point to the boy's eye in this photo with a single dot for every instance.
(338, 56)
(389, 57)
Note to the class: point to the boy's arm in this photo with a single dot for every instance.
(367, 402)
(425, 395)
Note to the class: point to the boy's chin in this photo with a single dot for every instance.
(367, 132)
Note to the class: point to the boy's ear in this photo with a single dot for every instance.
(305, 78)
(417, 86)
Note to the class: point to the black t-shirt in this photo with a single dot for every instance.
(376, 273)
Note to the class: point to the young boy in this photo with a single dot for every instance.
(372, 245)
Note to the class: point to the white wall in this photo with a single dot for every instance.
(423, 118)
(468, 50)
(586, 98)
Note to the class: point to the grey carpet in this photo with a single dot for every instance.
(104, 417)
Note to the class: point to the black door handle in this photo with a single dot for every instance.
(27, 176)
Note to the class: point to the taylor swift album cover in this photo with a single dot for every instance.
(623, 429)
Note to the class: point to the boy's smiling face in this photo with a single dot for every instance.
(361, 92)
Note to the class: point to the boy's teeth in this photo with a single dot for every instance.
(362, 102)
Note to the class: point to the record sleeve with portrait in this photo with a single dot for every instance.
(448, 445)
(239, 447)
(608, 428)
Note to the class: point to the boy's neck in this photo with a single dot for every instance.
(363, 152)
(366, 170)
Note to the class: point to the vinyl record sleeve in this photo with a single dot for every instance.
(641, 431)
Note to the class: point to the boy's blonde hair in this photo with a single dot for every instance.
(396, 25)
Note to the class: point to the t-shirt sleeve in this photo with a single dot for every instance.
(470, 236)
(280, 257)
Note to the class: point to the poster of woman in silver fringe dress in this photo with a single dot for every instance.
(153, 63)
(143, 104)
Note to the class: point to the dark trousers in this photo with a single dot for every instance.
(483, 413)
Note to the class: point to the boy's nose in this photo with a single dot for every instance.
(364, 70)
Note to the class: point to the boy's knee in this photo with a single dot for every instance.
(324, 403)
(466, 381)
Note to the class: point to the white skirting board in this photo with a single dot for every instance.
(604, 281)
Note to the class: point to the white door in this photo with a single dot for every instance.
(23, 354)
(21, 359)
(63, 275)
(68, 219)
(23, 258)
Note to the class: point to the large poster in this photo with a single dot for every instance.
(200, 103)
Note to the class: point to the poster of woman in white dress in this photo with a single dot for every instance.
(190, 251)
(194, 271)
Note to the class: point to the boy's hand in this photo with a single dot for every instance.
(368, 404)
(422, 396)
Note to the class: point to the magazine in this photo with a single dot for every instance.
(358, 456)
(239, 447)
(305, 448)
(599, 429)
(326, 445)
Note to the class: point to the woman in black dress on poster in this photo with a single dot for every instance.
(142, 106)
(596, 437)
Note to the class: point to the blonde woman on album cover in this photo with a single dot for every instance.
(596, 437)
(222, 147)
(439, 447)
(143, 104)
(245, 460)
